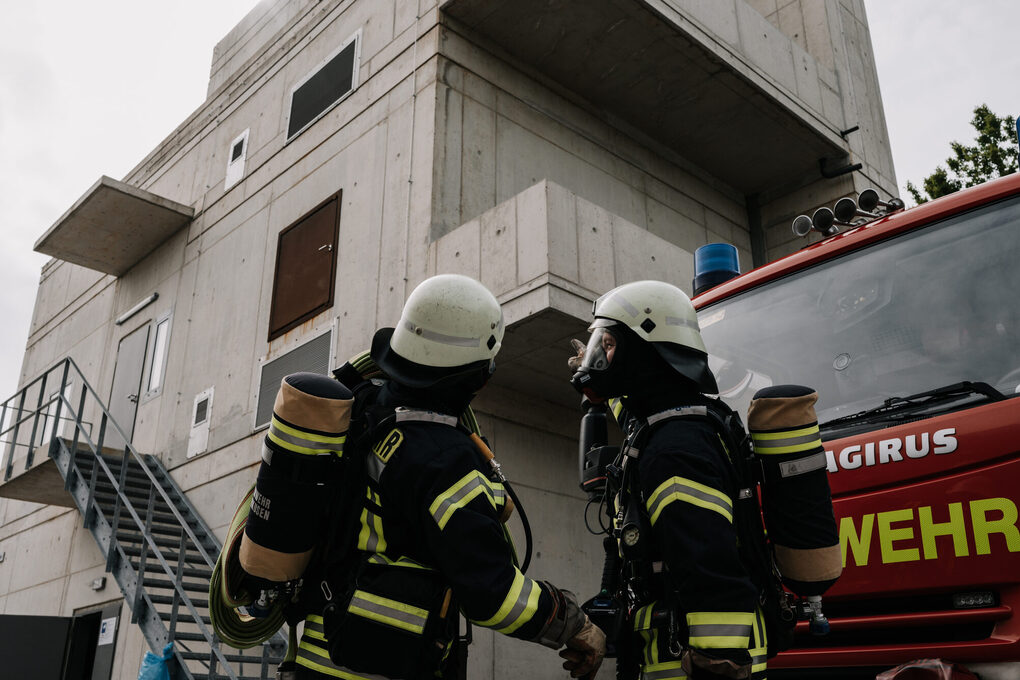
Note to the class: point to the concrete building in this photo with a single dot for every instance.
(347, 150)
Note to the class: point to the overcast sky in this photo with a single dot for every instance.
(90, 88)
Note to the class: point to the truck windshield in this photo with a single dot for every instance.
(932, 307)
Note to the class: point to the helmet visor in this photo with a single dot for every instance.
(600, 350)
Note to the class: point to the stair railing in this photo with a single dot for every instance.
(131, 580)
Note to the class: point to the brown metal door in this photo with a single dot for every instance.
(305, 268)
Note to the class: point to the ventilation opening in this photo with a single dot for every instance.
(312, 356)
(201, 411)
(325, 87)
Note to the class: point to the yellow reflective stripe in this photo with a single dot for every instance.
(294, 443)
(646, 639)
(643, 617)
(670, 670)
(460, 494)
(317, 658)
(616, 406)
(787, 441)
(785, 434)
(519, 605)
(730, 630)
(310, 436)
(379, 558)
(371, 537)
(391, 612)
(689, 491)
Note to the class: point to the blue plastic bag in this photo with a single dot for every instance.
(156, 667)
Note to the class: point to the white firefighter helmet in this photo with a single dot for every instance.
(655, 310)
(658, 313)
(449, 322)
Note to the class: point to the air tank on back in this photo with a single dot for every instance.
(796, 499)
(296, 479)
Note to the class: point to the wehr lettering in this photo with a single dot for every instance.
(909, 534)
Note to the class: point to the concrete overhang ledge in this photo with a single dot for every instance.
(113, 226)
(547, 254)
(714, 82)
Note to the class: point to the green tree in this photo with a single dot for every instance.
(993, 154)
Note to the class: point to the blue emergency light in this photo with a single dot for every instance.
(713, 264)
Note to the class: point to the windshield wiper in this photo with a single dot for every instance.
(895, 407)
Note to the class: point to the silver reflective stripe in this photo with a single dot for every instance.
(665, 674)
(456, 498)
(625, 303)
(375, 467)
(442, 338)
(267, 453)
(762, 658)
(519, 606)
(703, 630)
(325, 447)
(380, 609)
(404, 415)
(677, 412)
(789, 441)
(676, 487)
(674, 321)
(372, 542)
(314, 626)
(499, 493)
(800, 466)
(317, 659)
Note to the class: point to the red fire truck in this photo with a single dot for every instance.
(908, 326)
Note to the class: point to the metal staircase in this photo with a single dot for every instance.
(157, 548)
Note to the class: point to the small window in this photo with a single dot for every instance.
(235, 160)
(201, 411)
(325, 87)
(313, 356)
(160, 339)
(305, 268)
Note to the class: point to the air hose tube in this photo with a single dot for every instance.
(498, 471)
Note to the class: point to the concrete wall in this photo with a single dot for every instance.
(499, 131)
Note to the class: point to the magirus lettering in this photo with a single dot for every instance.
(892, 450)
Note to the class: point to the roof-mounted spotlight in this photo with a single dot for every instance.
(846, 211)
(869, 201)
(824, 221)
(802, 225)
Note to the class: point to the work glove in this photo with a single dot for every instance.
(584, 652)
(574, 362)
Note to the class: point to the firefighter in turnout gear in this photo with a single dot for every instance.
(431, 541)
(693, 605)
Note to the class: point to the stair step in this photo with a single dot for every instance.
(166, 584)
(164, 537)
(235, 658)
(154, 567)
(189, 619)
(166, 599)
